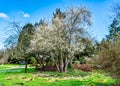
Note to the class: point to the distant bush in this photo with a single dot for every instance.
(3, 57)
(109, 57)
(3, 60)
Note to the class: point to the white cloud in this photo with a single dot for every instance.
(26, 15)
(3, 15)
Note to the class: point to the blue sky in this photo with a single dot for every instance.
(33, 10)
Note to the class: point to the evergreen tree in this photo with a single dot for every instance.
(114, 31)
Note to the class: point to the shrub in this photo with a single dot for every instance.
(109, 57)
(82, 60)
(83, 67)
(33, 60)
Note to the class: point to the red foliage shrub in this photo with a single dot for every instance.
(83, 67)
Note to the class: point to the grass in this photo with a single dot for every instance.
(9, 66)
(37, 80)
(74, 73)
(17, 77)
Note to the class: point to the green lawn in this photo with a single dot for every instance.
(17, 77)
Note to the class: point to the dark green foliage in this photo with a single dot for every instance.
(82, 60)
(13, 60)
(24, 42)
(114, 31)
(25, 36)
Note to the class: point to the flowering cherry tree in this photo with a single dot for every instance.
(62, 38)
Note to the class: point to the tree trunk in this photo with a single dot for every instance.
(26, 63)
(57, 66)
(61, 68)
(66, 64)
(66, 67)
(70, 64)
(61, 63)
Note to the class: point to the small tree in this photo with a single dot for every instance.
(24, 42)
(109, 57)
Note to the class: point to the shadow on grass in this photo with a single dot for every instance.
(17, 70)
